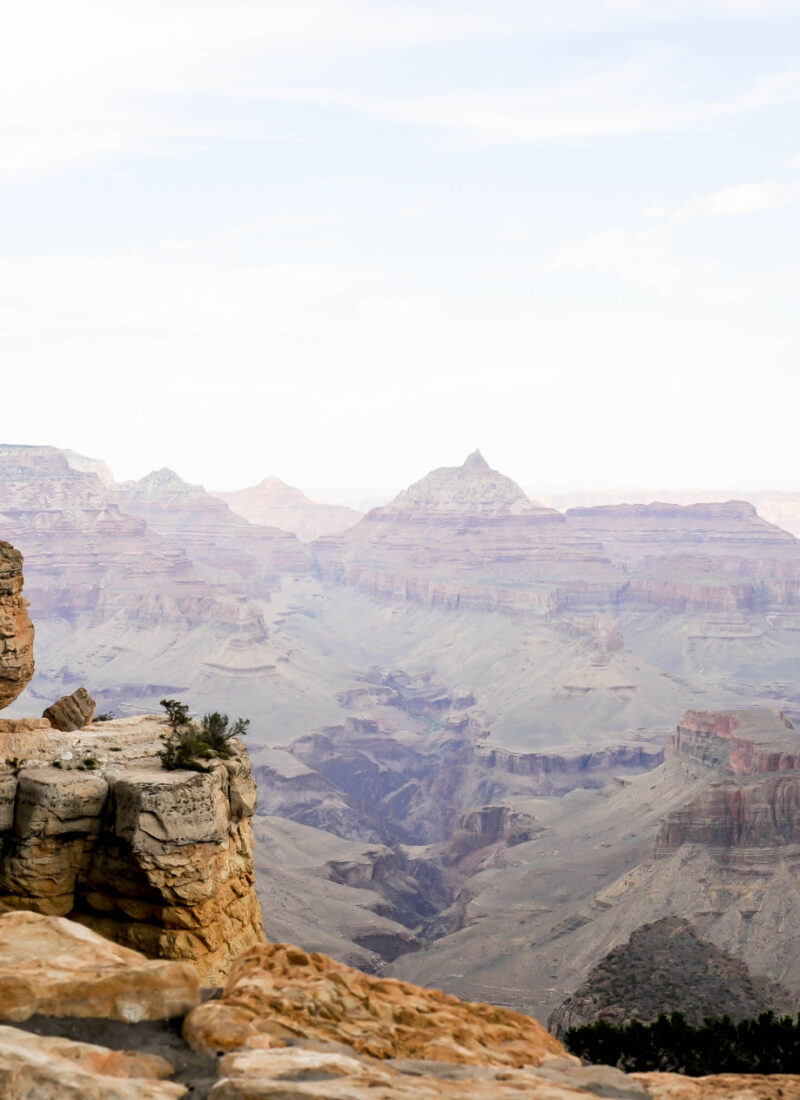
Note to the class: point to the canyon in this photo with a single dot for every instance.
(462, 707)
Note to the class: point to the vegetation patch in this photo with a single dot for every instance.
(189, 744)
(766, 1044)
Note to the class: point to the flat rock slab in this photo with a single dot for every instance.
(304, 1074)
(56, 967)
(50, 1068)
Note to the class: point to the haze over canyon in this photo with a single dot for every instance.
(463, 705)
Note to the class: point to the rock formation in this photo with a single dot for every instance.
(290, 1026)
(16, 628)
(161, 861)
(71, 712)
(273, 503)
(53, 967)
(668, 967)
(281, 992)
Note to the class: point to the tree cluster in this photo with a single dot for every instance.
(767, 1044)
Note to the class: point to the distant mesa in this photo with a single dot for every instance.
(273, 503)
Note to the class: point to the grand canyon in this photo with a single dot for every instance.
(489, 740)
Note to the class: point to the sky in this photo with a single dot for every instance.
(343, 242)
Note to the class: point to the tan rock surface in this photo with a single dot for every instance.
(281, 991)
(55, 967)
(160, 861)
(308, 1074)
(44, 1068)
(730, 1086)
(16, 628)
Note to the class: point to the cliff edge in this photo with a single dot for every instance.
(92, 827)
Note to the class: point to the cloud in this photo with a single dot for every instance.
(742, 198)
(90, 79)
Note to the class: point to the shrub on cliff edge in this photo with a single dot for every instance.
(188, 744)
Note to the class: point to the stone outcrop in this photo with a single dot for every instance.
(54, 967)
(273, 503)
(668, 967)
(281, 992)
(71, 712)
(53, 1068)
(161, 861)
(16, 628)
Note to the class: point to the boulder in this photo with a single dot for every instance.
(71, 712)
(282, 992)
(54, 967)
(51, 1068)
(16, 628)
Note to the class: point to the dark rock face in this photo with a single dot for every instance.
(71, 712)
(16, 628)
(667, 967)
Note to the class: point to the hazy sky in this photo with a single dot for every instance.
(345, 241)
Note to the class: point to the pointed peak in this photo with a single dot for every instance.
(475, 461)
(164, 476)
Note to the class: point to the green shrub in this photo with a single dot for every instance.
(188, 744)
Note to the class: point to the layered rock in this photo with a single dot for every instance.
(273, 503)
(159, 861)
(468, 537)
(16, 628)
(210, 533)
(667, 967)
(84, 559)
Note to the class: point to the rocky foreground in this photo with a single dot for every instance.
(83, 1018)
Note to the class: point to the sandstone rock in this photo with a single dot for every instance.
(159, 861)
(307, 1072)
(16, 628)
(71, 712)
(55, 967)
(282, 992)
(60, 1069)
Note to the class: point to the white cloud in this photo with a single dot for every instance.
(91, 79)
(742, 198)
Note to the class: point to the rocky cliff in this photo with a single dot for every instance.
(16, 628)
(92, 827)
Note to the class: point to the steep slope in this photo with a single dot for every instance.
(273, 503)
(668, 967)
